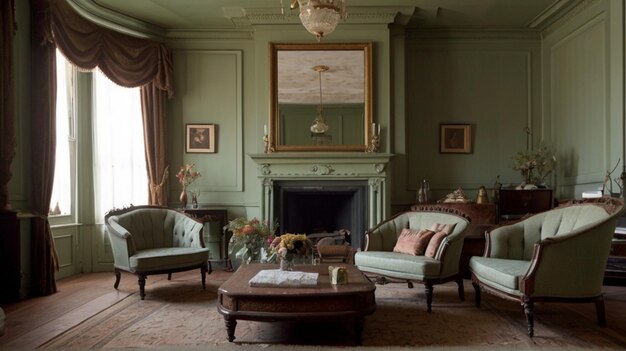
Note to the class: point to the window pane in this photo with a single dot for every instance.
(120, 166)
(61, 201)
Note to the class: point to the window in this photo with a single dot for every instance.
(120, 174)
(62, 191)
(117, 146)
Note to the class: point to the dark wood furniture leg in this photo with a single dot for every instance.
(118, 276)
(476, 294)
(429, 296)
(142, 285)
(169, 276)
(231, 324)
(358, 330)
(459, 282)
(528, 310)
(600, 312)
(203, 271)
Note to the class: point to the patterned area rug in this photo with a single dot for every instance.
(179, 314)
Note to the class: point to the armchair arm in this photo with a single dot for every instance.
(188, 232)
(450, 254)
(499, 241)
(570, 265)
(121, 244)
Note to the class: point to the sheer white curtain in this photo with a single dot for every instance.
(120, 175)
(61, 200)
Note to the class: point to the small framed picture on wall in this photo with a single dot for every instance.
(200, 138)
(455, 138)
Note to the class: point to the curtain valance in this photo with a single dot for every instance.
(127, 61)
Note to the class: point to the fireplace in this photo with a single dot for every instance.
(322, 206)
(307, 191)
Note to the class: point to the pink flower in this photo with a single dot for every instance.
(247, 229)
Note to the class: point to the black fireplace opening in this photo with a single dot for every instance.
(322, 207)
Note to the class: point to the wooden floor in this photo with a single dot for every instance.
(34, 321)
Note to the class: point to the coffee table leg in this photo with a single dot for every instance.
(230, 328)
(358, 329)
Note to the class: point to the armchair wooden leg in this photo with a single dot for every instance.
(528, 310)
(409, 284)
(118, 275)
(203, 271)
(210, 267)
(459, 282)
(169, 276)
(476, 294)
(142, 286)
(600, 312)
(429, 296)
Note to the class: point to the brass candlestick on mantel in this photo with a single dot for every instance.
(374, 145)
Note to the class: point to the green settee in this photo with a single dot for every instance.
(379, 259)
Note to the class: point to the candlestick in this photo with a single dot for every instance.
(265, 129)
(373, 128)
(378, 133)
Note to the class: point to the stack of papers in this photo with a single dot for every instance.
(278, 278)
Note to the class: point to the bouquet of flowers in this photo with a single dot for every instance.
(287, 246)
(534, 165)
(186, 175)
(249, 237)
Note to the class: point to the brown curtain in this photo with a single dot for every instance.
(153, 111)
(129, 62)
(7, 108)
(43, 148)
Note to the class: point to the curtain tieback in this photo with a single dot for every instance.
(156, 188)
(55, 256)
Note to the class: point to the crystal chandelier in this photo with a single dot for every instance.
(320, 17)
(319, 125)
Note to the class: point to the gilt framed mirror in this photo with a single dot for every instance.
(320, 97)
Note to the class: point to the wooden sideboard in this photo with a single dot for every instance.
(514, 204)
(482, 217)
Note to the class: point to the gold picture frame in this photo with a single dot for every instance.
(200, 138)
(455, 138)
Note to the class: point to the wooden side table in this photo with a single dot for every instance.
(214, 220)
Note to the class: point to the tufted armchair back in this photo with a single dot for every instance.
(384, 236)
(517, 241)
(153, 227)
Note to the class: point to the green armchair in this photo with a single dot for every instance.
(149, 240)
(379, 259)
(554, 256)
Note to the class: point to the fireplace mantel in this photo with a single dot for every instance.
(372, 167)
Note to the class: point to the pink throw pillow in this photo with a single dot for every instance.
(413, 242)
(441, 231)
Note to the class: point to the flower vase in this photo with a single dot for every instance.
(194, 200)
(183, 198)
(286, 263)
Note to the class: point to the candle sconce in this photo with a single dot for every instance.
(374, 145)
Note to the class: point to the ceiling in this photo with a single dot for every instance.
(220, 14)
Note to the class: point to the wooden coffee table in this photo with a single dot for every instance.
(352, 301)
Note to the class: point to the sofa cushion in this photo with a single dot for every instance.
(441, 231)
(504, 272)
(167, 258)
(413, 242)
(397, 264)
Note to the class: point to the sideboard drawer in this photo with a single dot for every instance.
(520, 202)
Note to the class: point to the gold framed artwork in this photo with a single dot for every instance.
(200, 138)
(455, 138)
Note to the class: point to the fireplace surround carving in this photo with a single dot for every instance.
(372, 169)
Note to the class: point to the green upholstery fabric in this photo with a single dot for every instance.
(402, 266)
(503, 272)
(167, 258)
(558, 256)
(145, 236)
(379, 257)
